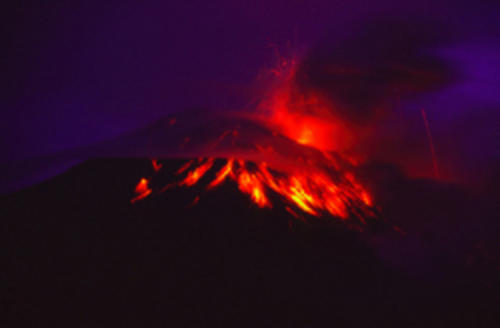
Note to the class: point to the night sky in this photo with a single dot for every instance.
(78, 72)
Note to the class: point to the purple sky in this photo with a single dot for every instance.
(78, 72)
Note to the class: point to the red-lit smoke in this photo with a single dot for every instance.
(316, 185)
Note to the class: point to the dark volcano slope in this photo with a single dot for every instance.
(76, 253)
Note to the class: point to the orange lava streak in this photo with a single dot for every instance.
(142, 190)
(249, 183)
(196, 174)
(222, 174)
(156, 166)
(184, 167)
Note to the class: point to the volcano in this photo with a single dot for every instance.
(316, 204)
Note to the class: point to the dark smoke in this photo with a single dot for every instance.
(381, 63)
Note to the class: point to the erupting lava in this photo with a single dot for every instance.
(314, 192)
(303, 116)
(316, 186)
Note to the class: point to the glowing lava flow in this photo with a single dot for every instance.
(313, 192)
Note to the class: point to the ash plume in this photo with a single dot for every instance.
(382, 62)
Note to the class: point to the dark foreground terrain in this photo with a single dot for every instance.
(76, 253)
